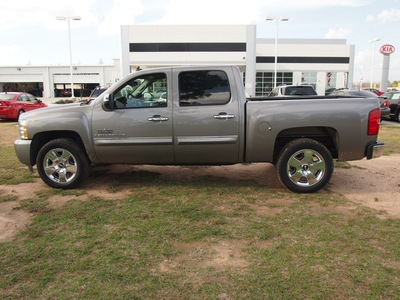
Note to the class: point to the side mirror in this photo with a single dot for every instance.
(107, 102)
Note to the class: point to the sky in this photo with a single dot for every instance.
(31, 35)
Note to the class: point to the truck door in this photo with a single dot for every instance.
(206, 117)
(138, 129)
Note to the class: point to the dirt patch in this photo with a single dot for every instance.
(374, 183)
(219, 256)
(12, 221)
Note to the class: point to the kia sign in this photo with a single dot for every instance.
(387, 49)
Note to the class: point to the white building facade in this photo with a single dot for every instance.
(324, 63)
(55, 81)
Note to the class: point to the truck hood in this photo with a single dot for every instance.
(55, 110)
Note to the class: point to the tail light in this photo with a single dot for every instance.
(374, 121)
(386, 104)
(6, 104)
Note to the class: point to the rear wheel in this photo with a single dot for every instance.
(398, 116)
(62, 163)
(304, 166)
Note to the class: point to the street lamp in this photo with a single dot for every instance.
(68, 18)
(276, 19)
(373, 57)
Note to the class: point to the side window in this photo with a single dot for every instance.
(23, 98)
(203, 88)
(149, 90)
(32, 98)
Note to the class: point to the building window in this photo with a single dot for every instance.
(265, 81)
(309, 78)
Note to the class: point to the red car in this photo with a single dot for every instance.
(13, 104)
(375, 91)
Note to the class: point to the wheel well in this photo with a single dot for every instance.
(324, 135)
(40, 139)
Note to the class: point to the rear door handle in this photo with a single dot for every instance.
(224, 116)
(157, 118)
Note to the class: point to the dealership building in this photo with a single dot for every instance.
(324, 63)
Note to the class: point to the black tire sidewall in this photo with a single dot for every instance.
(297, 145)
(76, 151)
(20, 112)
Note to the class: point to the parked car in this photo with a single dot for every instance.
(375, 91)
(97, 92)
(384, 104)
(394, 104)
(292, 90)
(66, 93)
(13, 104)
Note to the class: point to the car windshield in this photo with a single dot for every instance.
(300, 91)
(394, 96)
(6, 96)
(362, 94)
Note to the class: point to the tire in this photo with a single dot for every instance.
(398, 116)
(62, 163)
(21, 111)
(304, 166)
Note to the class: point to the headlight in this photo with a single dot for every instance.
(23, 129)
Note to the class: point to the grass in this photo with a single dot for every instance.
(167, 240)
(207, 238)
(11, 170)
(390, 135)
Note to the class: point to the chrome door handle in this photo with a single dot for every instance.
(157, 118)
(224, 116)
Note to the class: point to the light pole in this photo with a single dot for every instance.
(276, 42)
(68, 18)
(373, 58)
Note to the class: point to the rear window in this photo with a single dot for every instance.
(204, 88)
(6, 97)
(300, 91)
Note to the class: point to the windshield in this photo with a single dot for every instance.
(6, 97)
(300, 91)
(362, 94)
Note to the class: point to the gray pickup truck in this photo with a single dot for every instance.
(198, 116)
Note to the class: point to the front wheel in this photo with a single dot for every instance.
(62, 164)
(304, 166)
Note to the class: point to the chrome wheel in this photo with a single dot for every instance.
(306, 167)
(60, 165)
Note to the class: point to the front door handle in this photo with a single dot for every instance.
(157, 118)
(224, 116)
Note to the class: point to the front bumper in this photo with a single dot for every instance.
(375, 150)
(23, 151)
